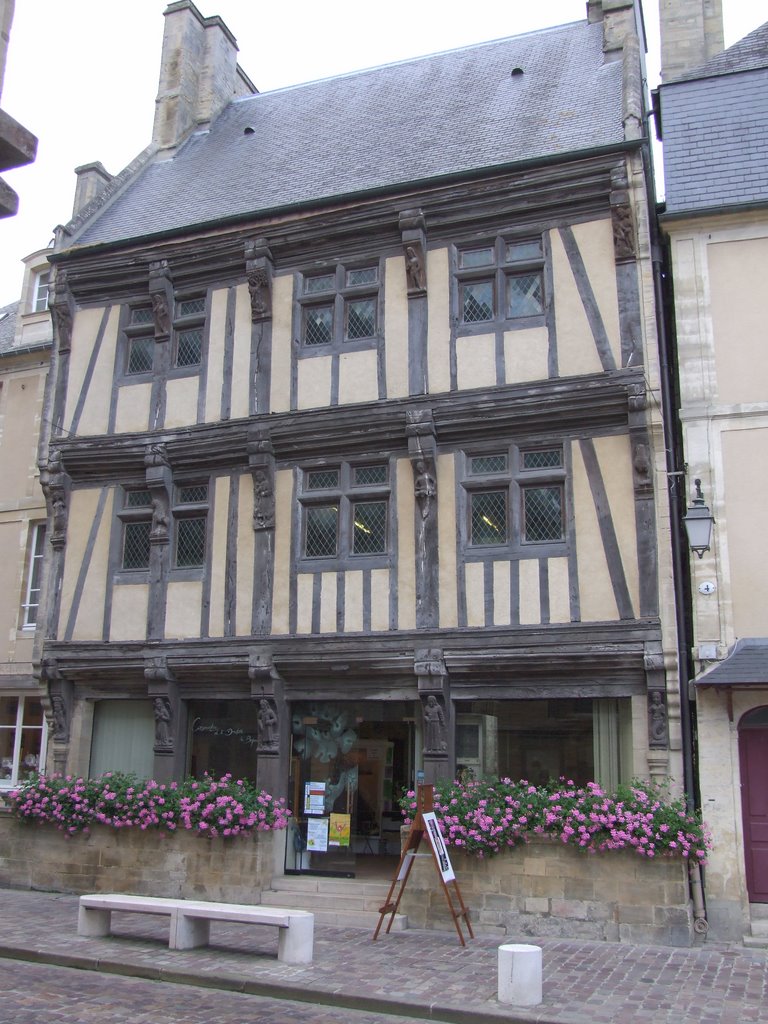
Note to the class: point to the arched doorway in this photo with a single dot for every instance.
(753, 760)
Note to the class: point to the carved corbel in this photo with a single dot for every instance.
(56, 485)
(429, 668)
(422, 447)
(62, 309)
(161, 294)
(60, 695)
(160, 486)
(624, 248)
(268, 688)
(259, 270)
(261, 461)
(414, 239)
(161, 687)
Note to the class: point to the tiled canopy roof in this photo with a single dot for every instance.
(746, 665)
(447, 114)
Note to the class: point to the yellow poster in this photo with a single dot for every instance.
(339, 830)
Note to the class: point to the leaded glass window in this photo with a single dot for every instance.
(542, 514)
(369, 519)
(141, 353)
(339, 306)
(345, 510)
(501, 281)
(488, 517)
(322, 529)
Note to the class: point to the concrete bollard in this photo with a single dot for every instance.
(520, 974)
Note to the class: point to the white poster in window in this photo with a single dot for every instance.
(438, 846)
(317, 835)
(314, 798)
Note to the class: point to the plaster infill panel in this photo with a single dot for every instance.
(741, 523)
(474, 575)
(181, 401)
(439, 321)
(218, 568)
(406, 547)
(595, 241)
(576, 350)
(283, 521)
(91, 592)
(353, 602)
(379, 599)
(738, 271)
(358, 377)
(282, 343)
(314, 382)
(246, 542)
(526, 355)
(476, 362)
(93, 411)
(305, 585)
(615, 457)
(596, 595)
(446, 526)
(396, 328)
(133, 406)
(328, 602)
(241, 355)
(182, 613)
(502, 608)
(559, 590)
(530, 592)
(129, 612)
(214, 382)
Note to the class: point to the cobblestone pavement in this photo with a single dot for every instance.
(407, 974)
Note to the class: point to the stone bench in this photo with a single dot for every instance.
(191, 921)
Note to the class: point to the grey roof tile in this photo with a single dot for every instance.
(414, 121)
(749, 54)
(8, 326)
(746, 664)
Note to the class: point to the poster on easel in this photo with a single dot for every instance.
(317, 835)
(437, 843)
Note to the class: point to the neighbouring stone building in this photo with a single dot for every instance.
(714, 120)
(25, 351)
(356, 435)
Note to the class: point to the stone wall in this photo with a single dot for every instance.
(549, 889)
(180, 864)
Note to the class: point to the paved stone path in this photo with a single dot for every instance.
(420, 974)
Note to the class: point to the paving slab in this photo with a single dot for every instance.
(413, 973)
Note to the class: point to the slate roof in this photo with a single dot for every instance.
(746, 665)
(8, 326)
(715, 131)
(749, 54)
(417, 120)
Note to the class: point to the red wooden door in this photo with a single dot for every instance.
(753, 755)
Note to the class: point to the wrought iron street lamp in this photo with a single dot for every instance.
(698, 523)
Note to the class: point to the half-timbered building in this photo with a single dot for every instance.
(356, 430)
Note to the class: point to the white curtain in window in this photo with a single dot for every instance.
(123, 738)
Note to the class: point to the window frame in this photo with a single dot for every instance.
(131, 515)
(338, 297)
(186, 322)
(497, 272)
(514, 481)
(18, 728)
(344, 497)
(34, 565)
(141, 330)
(185, 512)
(41, 281)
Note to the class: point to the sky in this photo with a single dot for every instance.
(82, 74)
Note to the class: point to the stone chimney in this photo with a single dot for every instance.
(620, 18)
(691, 33)
(92, 179)
(199, 73)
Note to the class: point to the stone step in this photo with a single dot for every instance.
(348, 903)
(758, 911)
(760, 927)
(756, 941)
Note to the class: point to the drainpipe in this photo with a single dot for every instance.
(680, 568)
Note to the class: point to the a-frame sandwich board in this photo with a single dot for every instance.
(425, 824)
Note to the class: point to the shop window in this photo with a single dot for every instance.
(515, 497)
(223, 737)
(123, 738)
(23, 736)
(581, 739)
(500, 282)
(340, 307)
(345, 512)
(31, 605)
